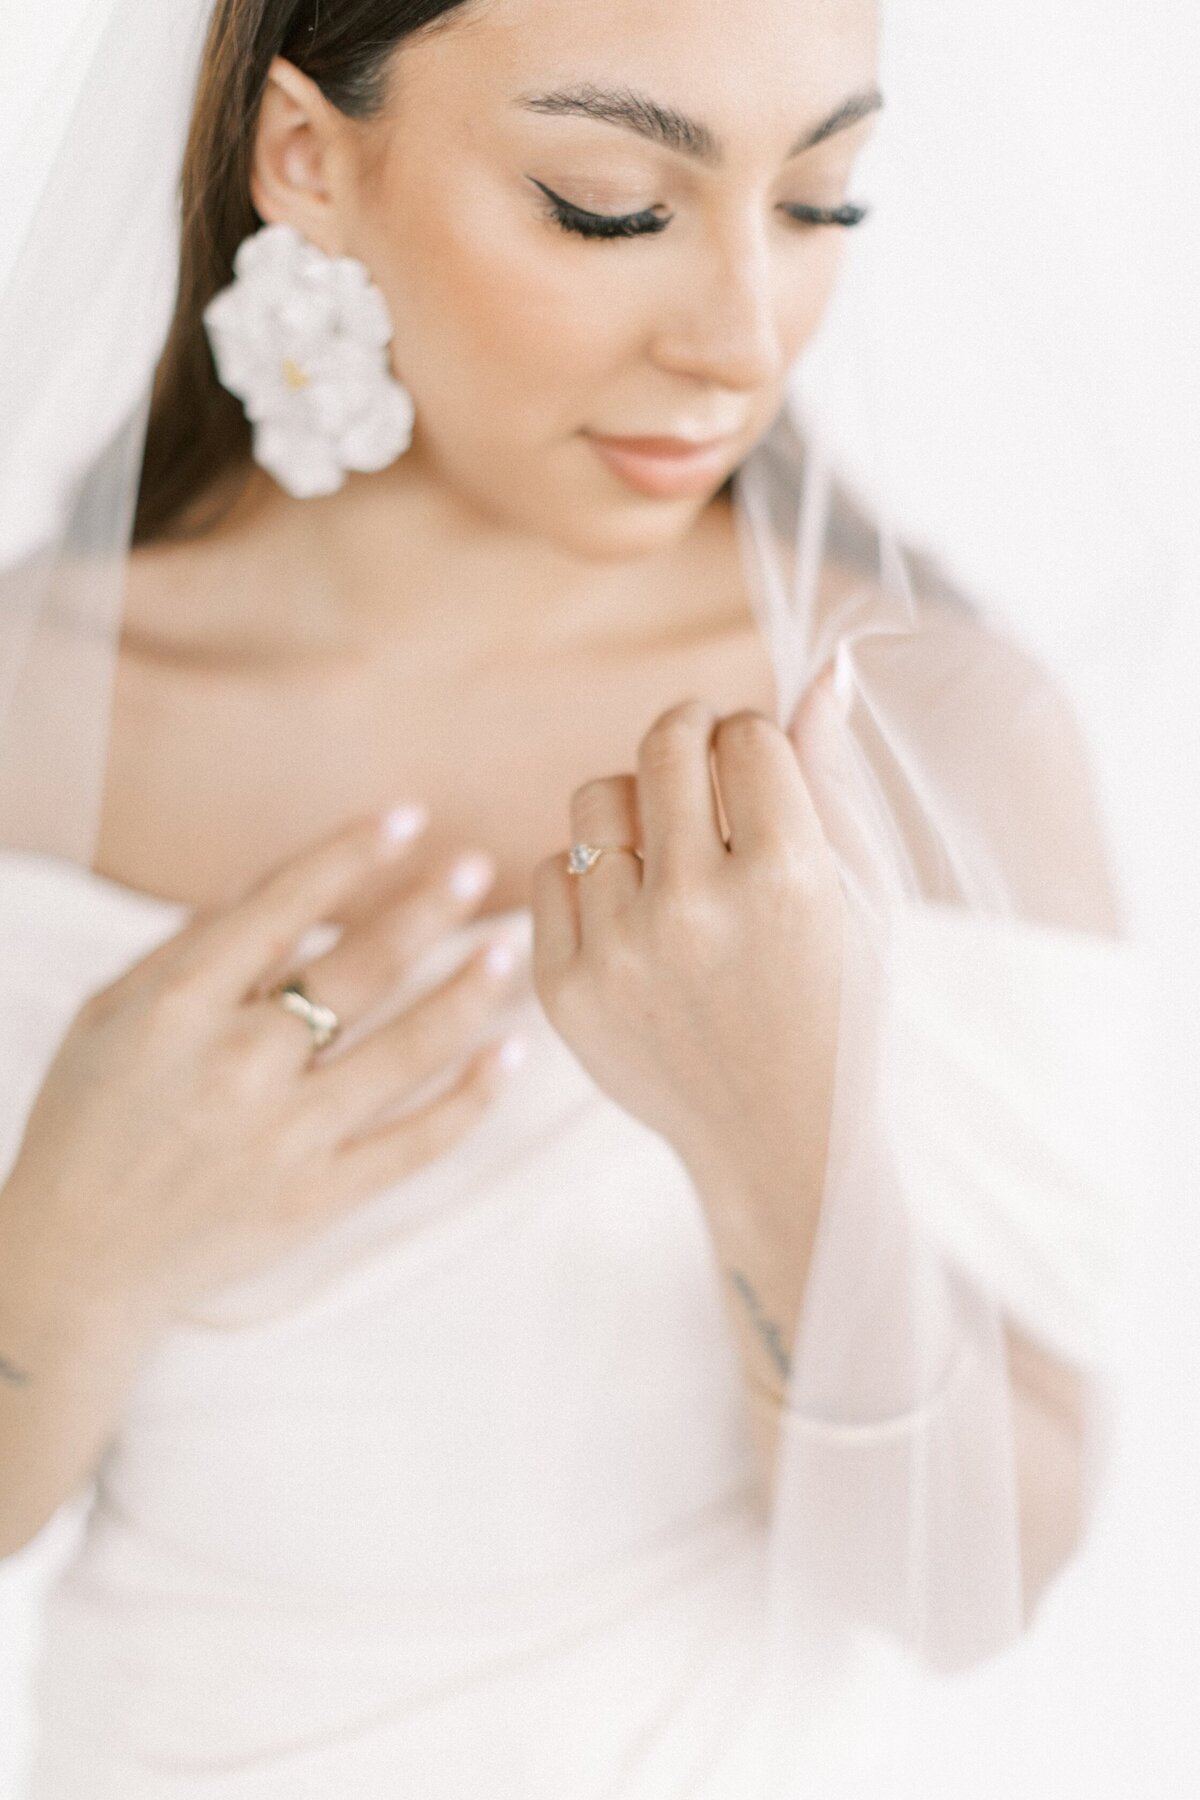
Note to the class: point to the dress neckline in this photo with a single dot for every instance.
(771, 615)
(61, 869)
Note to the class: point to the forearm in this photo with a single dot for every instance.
(66, 1367)
(1048, 1425)
(765, 1288)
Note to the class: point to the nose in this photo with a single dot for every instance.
(727, 329)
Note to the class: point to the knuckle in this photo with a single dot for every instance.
(746, 729)
(688, 924)
(675, 733)
(682, 909)
(685, 718)
(596, 789)
(786, 871)
(245, 1069)
(179, 1000)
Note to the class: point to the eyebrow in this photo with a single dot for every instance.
(674, 130)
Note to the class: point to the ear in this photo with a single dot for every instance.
(298, 157)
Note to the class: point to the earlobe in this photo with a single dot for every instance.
(289, 182)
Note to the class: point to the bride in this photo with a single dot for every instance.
(474, 1275)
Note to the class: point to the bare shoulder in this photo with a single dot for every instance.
(222, 592)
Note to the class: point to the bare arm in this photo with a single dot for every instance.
(1048, 1416)
(1051, 850)
(66, 1368)
(188, 1135)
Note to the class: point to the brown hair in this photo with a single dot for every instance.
(198, 433)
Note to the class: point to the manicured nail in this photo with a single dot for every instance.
(501, 959)
(513, 1052)
(404, 823)
(472, 877)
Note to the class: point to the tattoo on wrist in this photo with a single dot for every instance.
(769, 1333)
(11, 1376)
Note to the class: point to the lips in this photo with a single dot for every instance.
(663, 446)
(665, 468)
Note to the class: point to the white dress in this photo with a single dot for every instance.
(461, 1499)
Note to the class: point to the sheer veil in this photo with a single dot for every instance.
(986, 1144)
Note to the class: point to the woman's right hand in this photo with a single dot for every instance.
(186, 1135)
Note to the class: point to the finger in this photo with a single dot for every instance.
(763, 791)
(427, 1039)
(606, 812)
(855, 818)
(374, 956)
(677, 806)
(364, 1166)
(240, 947)
(556, 921)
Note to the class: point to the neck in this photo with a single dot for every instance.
(403, 551)
(402, 557)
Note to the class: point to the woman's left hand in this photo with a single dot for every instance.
(701, 988)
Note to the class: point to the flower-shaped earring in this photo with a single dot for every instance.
(301, 338)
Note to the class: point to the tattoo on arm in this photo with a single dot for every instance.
(772, 1337)
(11, 1376)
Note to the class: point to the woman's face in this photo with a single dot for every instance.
(521, 340)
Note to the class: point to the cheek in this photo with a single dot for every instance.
(490, 321)
(811, 291)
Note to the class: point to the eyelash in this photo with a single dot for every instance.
(649, 224)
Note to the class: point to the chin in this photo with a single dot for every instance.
(624, 532)
(606, 523)
(575, 517)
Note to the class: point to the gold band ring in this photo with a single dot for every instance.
(322, 1021)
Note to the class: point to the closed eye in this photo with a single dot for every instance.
(601, 225)
(845, 216)
(581, 223)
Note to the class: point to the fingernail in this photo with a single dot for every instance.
(472, 877)
(404, 823)
(501, 959)
(513, 1052)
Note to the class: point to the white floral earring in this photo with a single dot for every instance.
(301, 338)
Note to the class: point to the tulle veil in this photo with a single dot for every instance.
(985, 1145)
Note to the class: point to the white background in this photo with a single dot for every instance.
(1021, 317)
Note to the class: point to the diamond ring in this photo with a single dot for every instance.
(584, 857)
